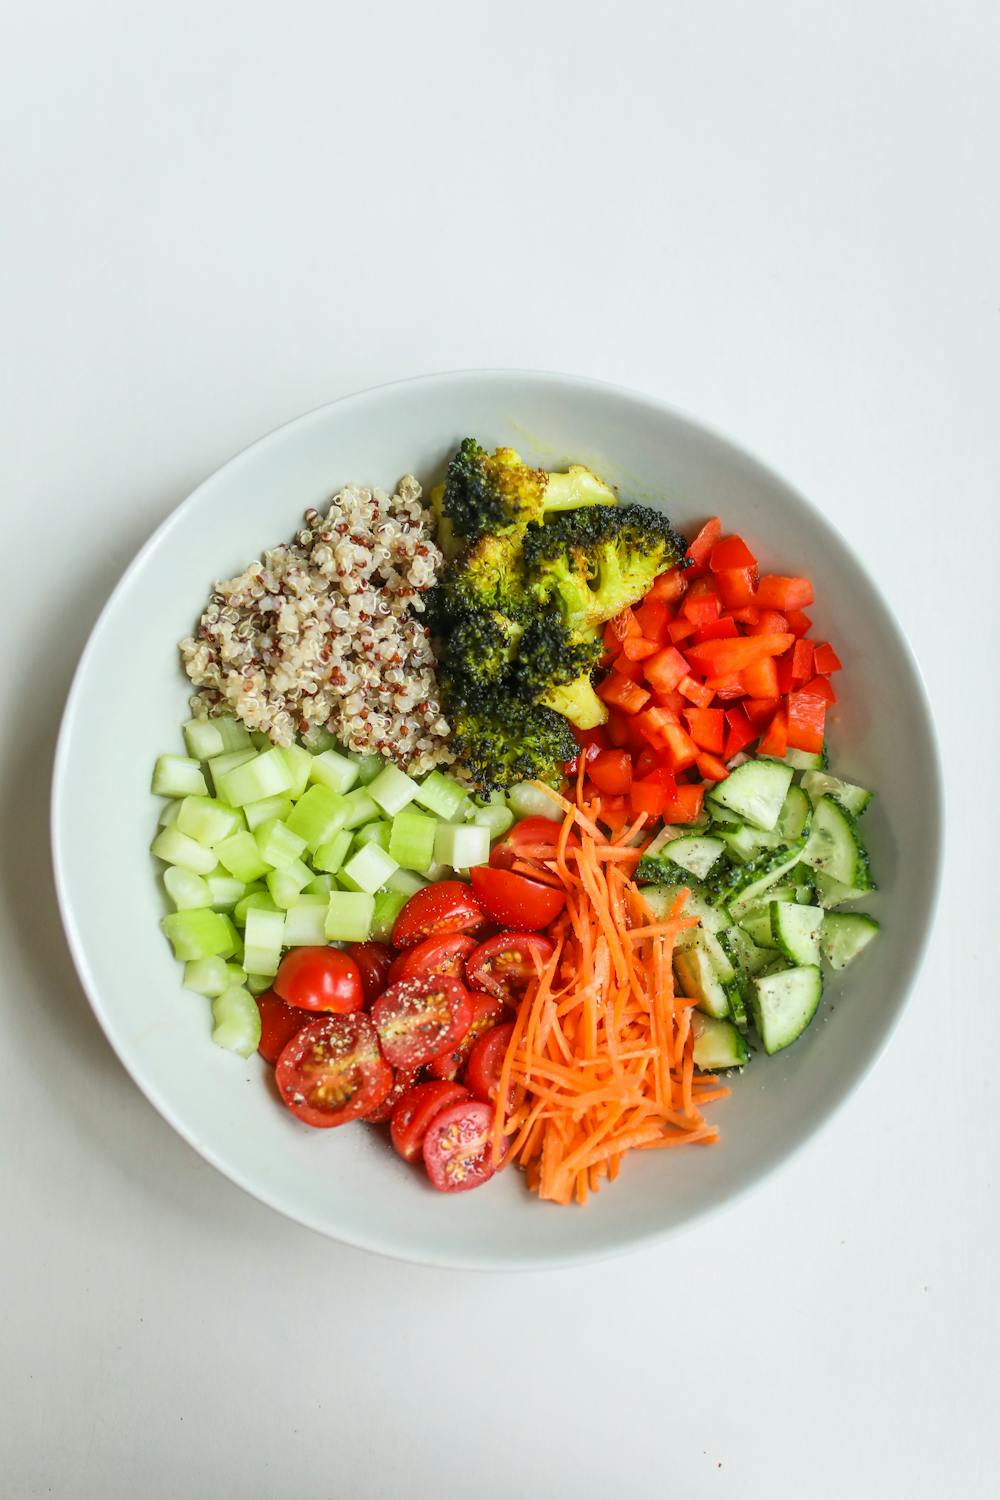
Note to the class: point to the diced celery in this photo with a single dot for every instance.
(203, 739)
(257, 984)
(368, 869)
(320, 885)
(221, 765)
(305, 922)
(331, 855)
(267, 775)
(349, 917)
(206, 820)
(373, 833)
(235, 938)
(171, 811)
(178, 776)
(299, 763)
(224, 891)
(237, 1021)
(207, 976)
(492, 799)
(259, 897)
(241, 857)
(185, 889)
(177, 849)
(317, 816)
(236, 973)
(392, 789)
(526, 801)
(388, 905)
(317, 739)
(235, 736)
(198, 933)
(496, 820)
(333, 770)
(438, 871)
(268, 807)
(368, 766)
(411, 840)
(405, 883)
(263, 937)
(440, 795)
(277, 843)
(286, 883)
(462, 845)
(260, 739)
(359, 808)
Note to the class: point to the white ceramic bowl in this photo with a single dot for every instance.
(129, 698)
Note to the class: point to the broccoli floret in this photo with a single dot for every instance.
(512, 742)
(492, 492)
(488, 574)
(594, 563)
(554, 668)
(479, 651)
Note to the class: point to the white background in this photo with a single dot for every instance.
(782, 217)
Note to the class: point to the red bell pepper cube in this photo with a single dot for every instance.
(611, 772)
(731, 552)
(695, 692)
(675, 701)
(653, 794)
(760, 711)
(614, 813)
(685, 805)
(652, 618)
(680, 629)
(646, 761)
(679, 749)
(826, 659)
(820, 687)
(637, 648)
(739, 731)
(665, 670)
(623, 694)
(806, 719)
(589, 753)
(783, 667)
(802, 661)
(617, 727)
(720, 658)
(725, 629)
(777, 592)
(711, 767)
(702, 610)
(769, 622)
(747, 614)
(630, 669)
(760, 679)
(669, 586)
(597, 736)
(736, 586)
(775, 741)
(707, 727)
(798, 623)
(700, 549)
(726, 688)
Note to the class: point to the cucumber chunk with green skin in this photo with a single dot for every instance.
(853, 799)
(795, 815)
(795, 931)
(844, 935)
(830, 892)
(747, 957)
(660, 900)
(695, 854)
(698, 976)
(757, 926)
(742, 886)
(744, 843)
(237, 1021)
(784, 1003)
(717, 1044)
(834, 848)
(756, 791)
(737, 1004)
(805, 760)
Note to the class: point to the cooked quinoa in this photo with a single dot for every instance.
(325, 630)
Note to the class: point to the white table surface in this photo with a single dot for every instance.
(782, 217)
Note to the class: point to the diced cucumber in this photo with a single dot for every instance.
(757, 926)
(411, 840)
(368, 766)
(737, 1003)
(224, 891)
(221, 765)
(368, 869)
(747, 957)
(717, 1044)
(831, 892)
(259, 898)
(185, 889)
(266, 775)
(317, 816)
(440, 795)
(373, 833)
(237, 1021)
(177, 849)
(198, 933)
(241, 857)
(305, 922)
(694, 854)
(496, 819)
(317, 739)
(834, 847)
(349, 917)
(277, 844)
(461, 845)
(527, 801)
(755, 790)
(331, 855)
(334, 770)
(286, 883)
(207, 820)
(795, 931)
(853, 799)
(267, 808)
(388, 905)
(263, 937)
(392, 789)
(359, 808)
(207, 976)
(300, 764)
(405, 882)
(844, 935)
(721, 817)
(660, 900)
(698, 976)
(784, 1004)
(742, 886)
(795, 816)
(744, 843)
(178, 776)
(805, 760)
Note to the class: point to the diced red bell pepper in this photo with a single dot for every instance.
(623, 694)
(731, 552)
(686, 803)
(736, 586)
(654, 794)
(680, 629)
(739, 731)
(618, 727)
(653, 723)
(637, 648)
(665, 670)
(611, 771)
(679, 749)
(700, 549)
(769, 622)
(806, 719)
(775, 741)
(701, 609)
(614, 812)
(589, 753)
(669, 586)
(695, 692)
(711, 767)
(719, 658)
(707, 727)
(760, 711)
(624, 624)
(748, 614)
(717, 630)
(798, 623)
(802, 661)
(727, 687)
(783, 668)
(630, 669)
(777, 592)
(597, 736)
(652, 617)
(760, 679)
(646, 761)
(676, 702)
(821, 687)
(826, 659)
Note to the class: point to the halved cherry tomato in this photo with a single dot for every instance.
(332, 1071)
(320, 979)
(515, 901)
(435, 955)
(486, 1061)
(486, 1013)
(419, 1018)
(458, 1147)
(504, 965)
(415, 1111)
(530, 833)
(374, 961)
(446, 906)
(278, 1024)
(405, 1079)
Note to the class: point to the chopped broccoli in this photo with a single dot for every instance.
(491, 492)
(513, 742)
(594, 563)
(480, 648)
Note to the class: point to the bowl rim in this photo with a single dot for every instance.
(396, 1249)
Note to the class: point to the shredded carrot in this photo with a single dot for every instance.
(601, 1059)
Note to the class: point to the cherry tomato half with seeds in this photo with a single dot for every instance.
(486, 1062)
(332, 1071)
(278, 1024)
(458, 1146)
(435, 955)
(374, 961)
(487, 1012)
(504, 965)
(529, 834)
(415, 1111)
(404, 1080)
(320, 979)
(512, 900)
(419, 1018)
(447, 906)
